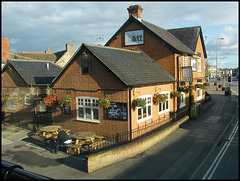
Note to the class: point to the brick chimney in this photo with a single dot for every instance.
(135, 10)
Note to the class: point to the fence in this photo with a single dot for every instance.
(138, 133)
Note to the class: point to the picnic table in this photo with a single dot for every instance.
(83, 136)
(47, 131)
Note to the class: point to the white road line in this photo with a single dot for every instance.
(220, 154)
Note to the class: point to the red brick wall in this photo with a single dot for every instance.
(152, 47)
(5, 53)
(100, 83)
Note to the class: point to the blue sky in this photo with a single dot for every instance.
(37, 26)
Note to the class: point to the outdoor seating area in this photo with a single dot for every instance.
(87, 141)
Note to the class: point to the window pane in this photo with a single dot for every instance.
(80, 113)
(149, 111)
(144, 112)
(139, 113)
(88, 113)
(160, 107)
(167, 105)
(164, 106)
(95, 114)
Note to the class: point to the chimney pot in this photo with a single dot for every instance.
(135, 10)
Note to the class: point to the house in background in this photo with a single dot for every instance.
(5, 51)
(23, 81)
(122, 76)
(60, 58)
(174, 50)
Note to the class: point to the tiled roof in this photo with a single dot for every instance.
(133, 68)
(189, 36)
(40, 56)
(162, 34)
(34, 72)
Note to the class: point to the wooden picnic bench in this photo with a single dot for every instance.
(73, 148)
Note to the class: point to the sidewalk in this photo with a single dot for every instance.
(204, 132)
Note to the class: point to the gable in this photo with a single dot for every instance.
(97, 75)
(161, 34)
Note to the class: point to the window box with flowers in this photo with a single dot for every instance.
(104, 103)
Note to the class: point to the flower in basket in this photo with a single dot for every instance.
(199, 86)
(139, 102)
(159, 98)
(4, 97)
(51, 101)
(206, 84)
(104, 103)
(176, 94)
(183, 89)
(65, 100)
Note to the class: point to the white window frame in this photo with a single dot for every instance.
(165, 107)
(199, 64)
(85, 103)
(183, 100)
(185, 61)
(199, 93)
(148, 99)
(27, 99)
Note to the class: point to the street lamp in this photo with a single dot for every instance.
(216, 61)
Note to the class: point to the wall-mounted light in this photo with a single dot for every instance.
(84, 52)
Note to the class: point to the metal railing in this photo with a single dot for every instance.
(11, 171)
(138, 133)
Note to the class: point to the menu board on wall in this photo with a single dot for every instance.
(134, 37)
(117, 111)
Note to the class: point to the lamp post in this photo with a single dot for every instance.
(216, 62)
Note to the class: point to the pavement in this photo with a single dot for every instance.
(202, 134)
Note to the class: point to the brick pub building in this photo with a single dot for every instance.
(145, 60)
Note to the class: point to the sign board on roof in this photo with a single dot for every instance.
(134, 37)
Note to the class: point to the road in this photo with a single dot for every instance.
(223, 161)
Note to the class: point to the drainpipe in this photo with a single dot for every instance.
(130, 111)
(178, 105)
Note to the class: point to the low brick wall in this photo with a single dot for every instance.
(102, 159)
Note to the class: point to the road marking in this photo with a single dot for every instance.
(220, 155)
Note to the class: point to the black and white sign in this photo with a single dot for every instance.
(134, 37)
(187, 74)
(193, 64)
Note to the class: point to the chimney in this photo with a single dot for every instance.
(70, 48)
(135, 10)
(48, 64)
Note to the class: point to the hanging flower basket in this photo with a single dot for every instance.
(199, 86)
(65, 100)
(206, 84)
(139, 102)
(104, 103)
(183, 89)
(176, 94)
(192, 87)
(159, 98)
(51, 102)
(4, 98)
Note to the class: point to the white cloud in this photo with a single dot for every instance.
(42, 25)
